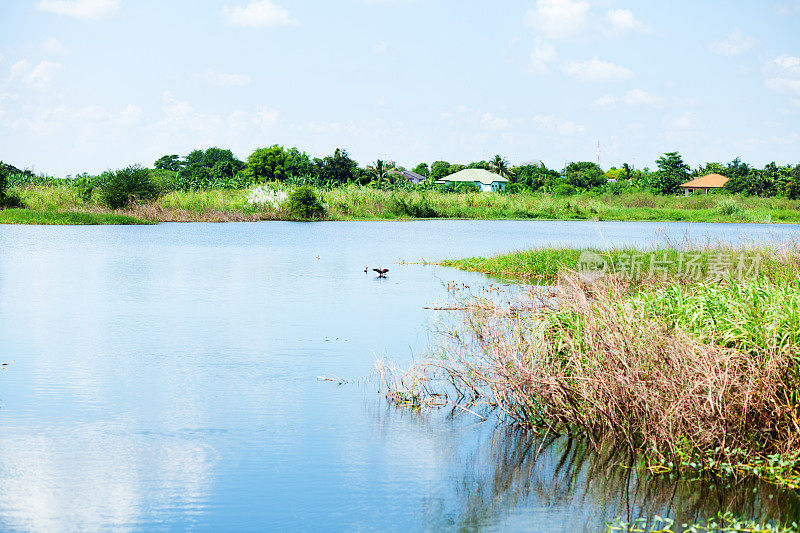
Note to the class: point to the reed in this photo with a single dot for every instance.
(694, 373)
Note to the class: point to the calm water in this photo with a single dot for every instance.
(165, 377)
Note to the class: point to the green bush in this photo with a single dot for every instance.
(303, 203)
(128, 185)
(420, 208)
(6, 199)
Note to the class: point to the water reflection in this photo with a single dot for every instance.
(500, 477)
(515, 470)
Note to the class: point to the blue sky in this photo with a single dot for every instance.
(87, 85)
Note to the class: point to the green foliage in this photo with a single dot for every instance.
(7, 199)
(277, 163)
(672, 171)
(738, 174)
(793, 191)
(209, 169)
(3, 184)
(460, 187)
(337, 168)
(422, 169)
(28, 216)
(584, 175)
(500, 166)
(439, 169)
(533, 177)
(412, 207)
(304, 204)
(125, 186)
(169, 162)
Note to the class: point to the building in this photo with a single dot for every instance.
(704, 184)
(485, 180)
(413, 177)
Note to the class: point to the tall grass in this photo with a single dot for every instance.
(691, 371)
(354, 202)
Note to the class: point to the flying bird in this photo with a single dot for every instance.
(381, 272)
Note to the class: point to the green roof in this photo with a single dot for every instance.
(475, 174)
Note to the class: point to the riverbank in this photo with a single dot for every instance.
(696, 368)
(66, 218)
(366, 203)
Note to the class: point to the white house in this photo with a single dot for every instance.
(485, 180)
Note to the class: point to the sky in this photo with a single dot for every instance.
(90, 85)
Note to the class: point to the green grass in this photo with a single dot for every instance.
(544, 264)
(364, 203)
(28, 216)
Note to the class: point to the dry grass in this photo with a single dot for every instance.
(603, 359)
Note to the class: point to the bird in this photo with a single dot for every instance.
(381, 272)
(366, 270)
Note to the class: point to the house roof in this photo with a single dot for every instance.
(709, 181)
(409, 175)
(475, 174)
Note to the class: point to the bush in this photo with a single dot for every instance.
(128, 185)
(304, 203)
(6, 199)
(420, 208)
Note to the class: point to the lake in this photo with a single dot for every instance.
(166, 377)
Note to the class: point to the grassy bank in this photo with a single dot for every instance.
(29, 216)
(700, 374)
(544, 265)
(365, 203)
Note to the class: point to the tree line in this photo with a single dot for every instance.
(217, 167)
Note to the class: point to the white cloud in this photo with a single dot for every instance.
(53, 47)
(258, 13)
(226, 80)
(380, 48)
(38, 76)
(734, 44)
(784, 85)
(558, 125)
(541, 55)
(494, 123)
(787, 62)
(685, 121)
(623, 20)
(558, 19)
(130, 115)
(80, 9)
(596, 70)
(634, 97)
(266, 117)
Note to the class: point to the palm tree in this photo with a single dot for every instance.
(500, 166)
(380, 170)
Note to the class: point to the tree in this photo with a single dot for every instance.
(380, 169)
(266, 164)
(500, 166)
(337, 168)
(738, 174)
(794, 187)
(3, 184)
(422, 169)
(439, 169)
(584, 175)
(533, 177)
(200, 166)
(169, 162)
(127, 185)
(672, 171)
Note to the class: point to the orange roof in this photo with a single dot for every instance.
(709, 181)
